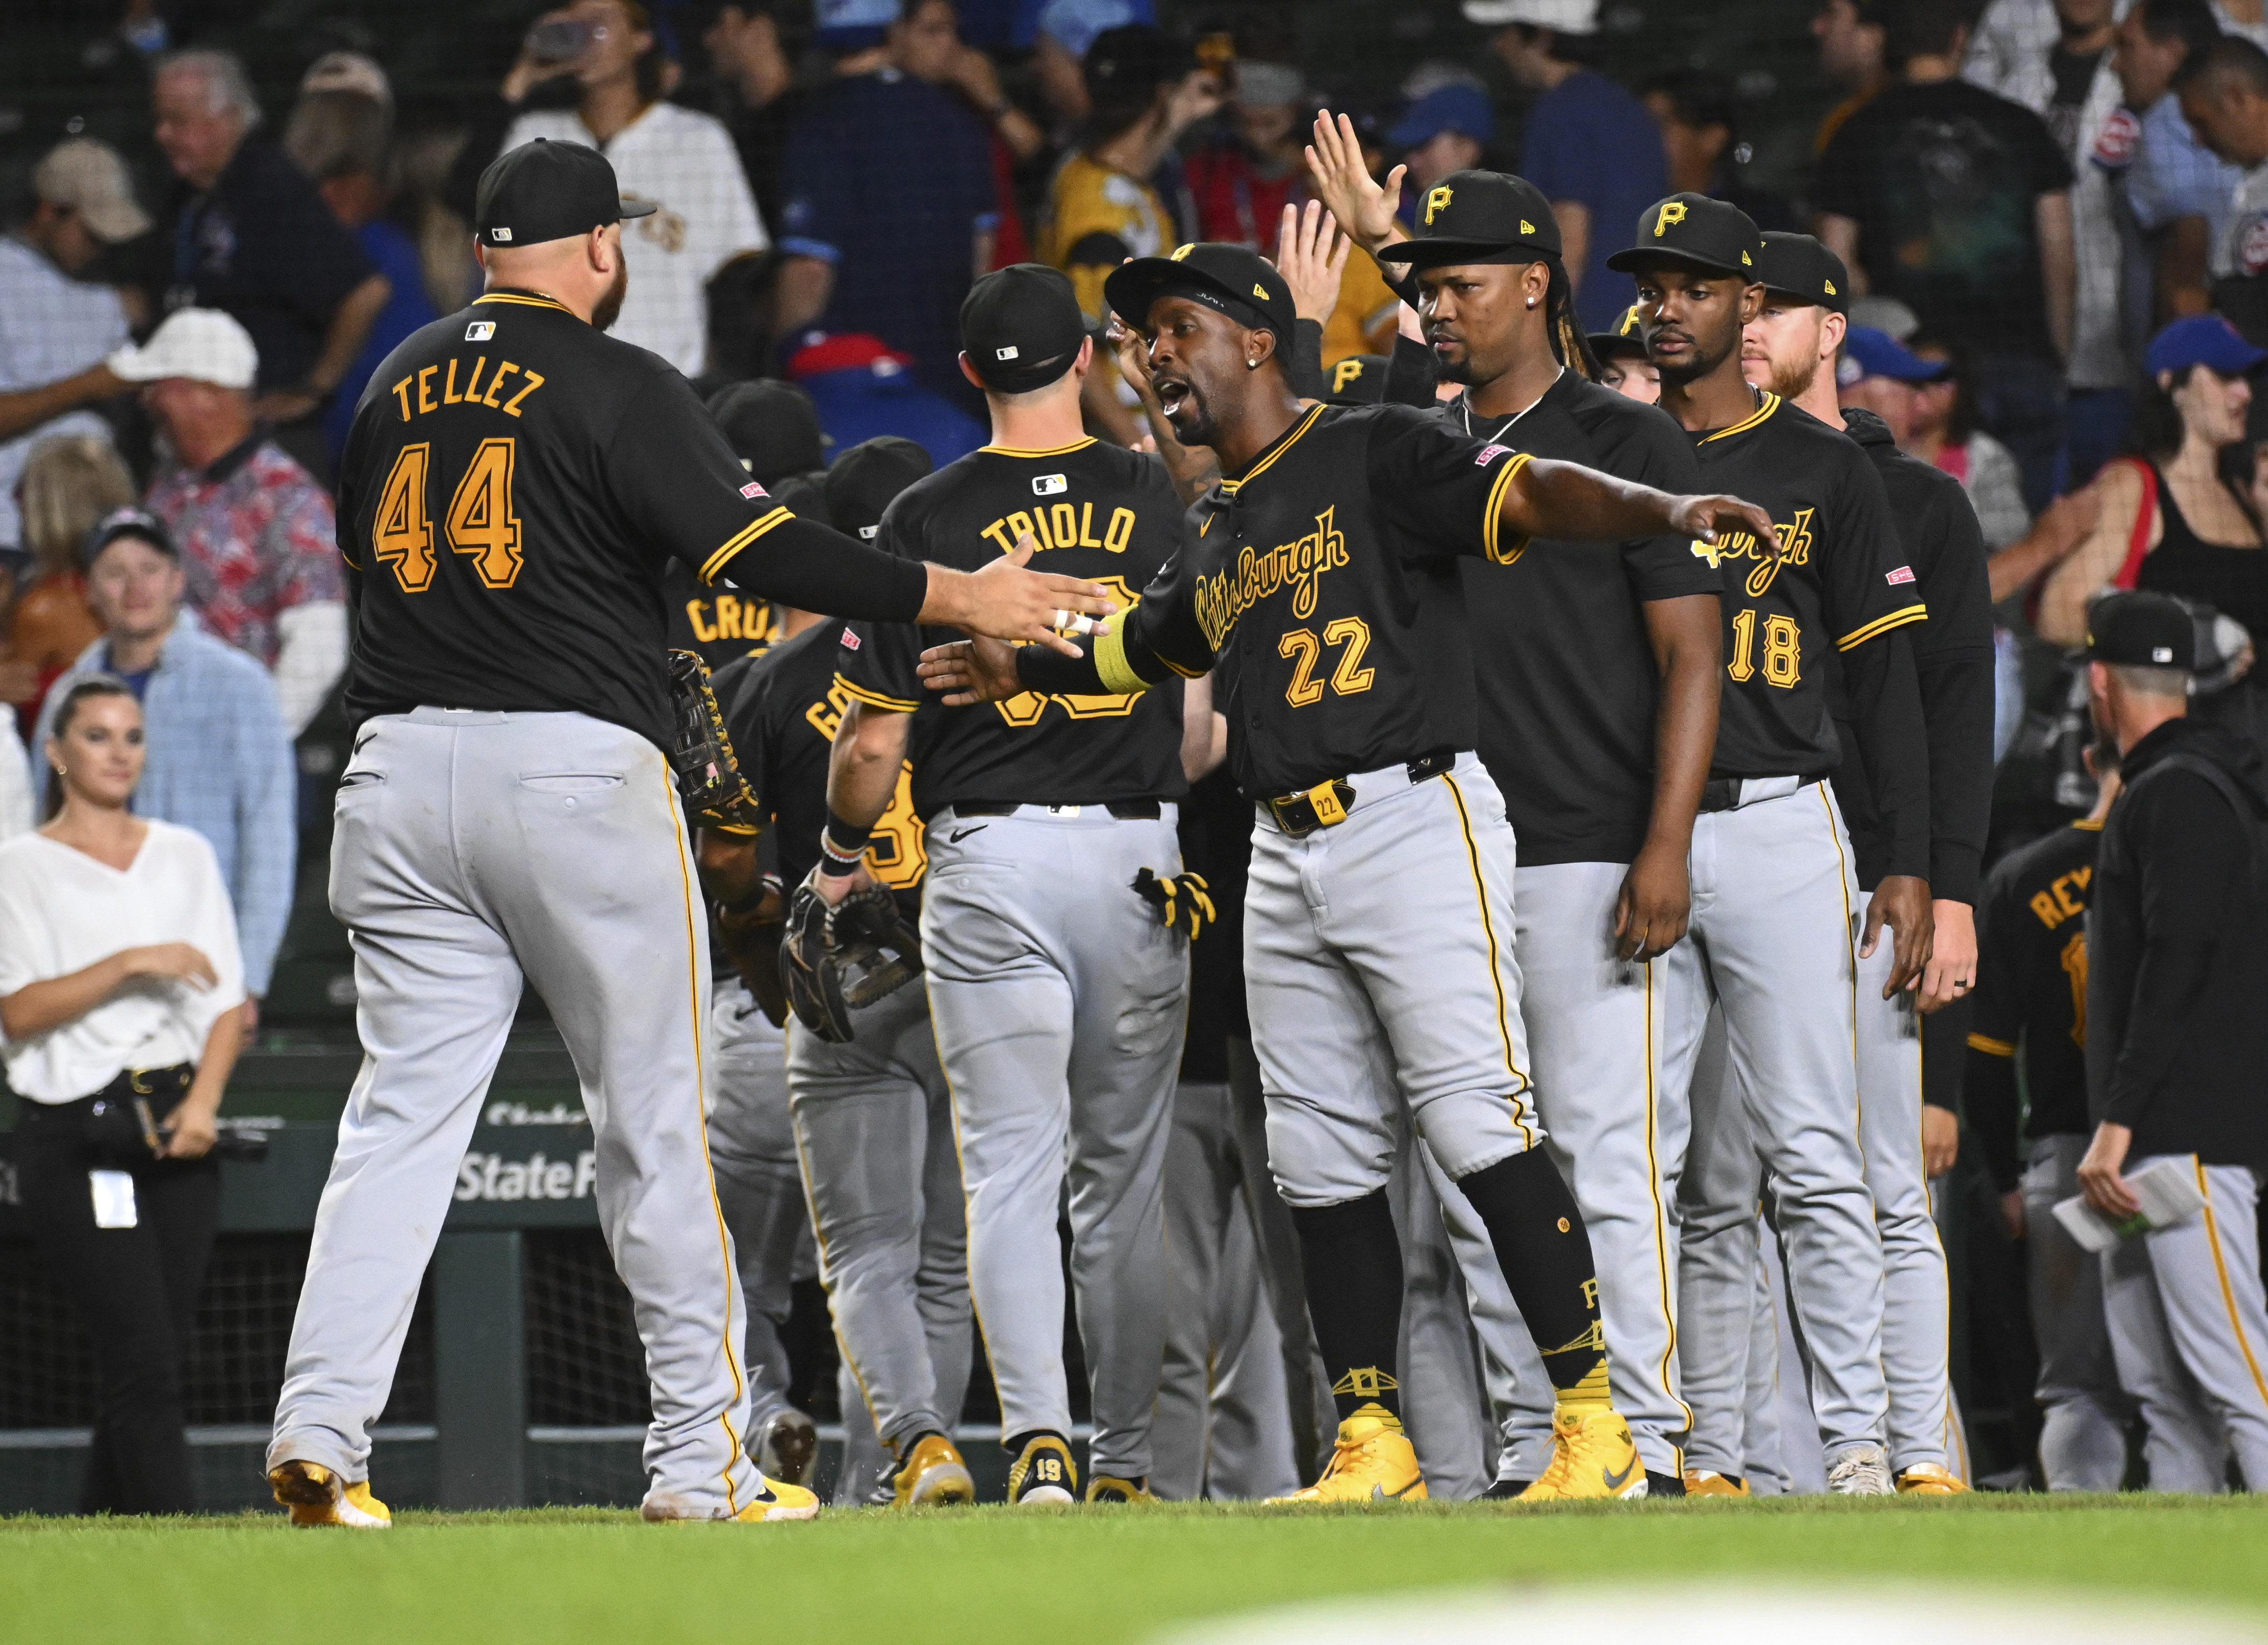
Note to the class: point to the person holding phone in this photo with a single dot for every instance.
(121, 984)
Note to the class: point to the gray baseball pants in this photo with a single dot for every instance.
(2189, 1325)
(1223, 1428)
(752, 1150)
(475, 850)
(874, 1128)
(2082, 1410)
(1444, 1399)
(1917, 1297)
(1773, 906)
(1059, 1000)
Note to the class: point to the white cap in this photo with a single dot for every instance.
(201, 344)
(1562, 17)
(348, 71)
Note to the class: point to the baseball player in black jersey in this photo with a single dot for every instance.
(513, 486)
(1318, 581)
(1056, 992)
(2030, 1003)
(1790, 348)
(1774, 910)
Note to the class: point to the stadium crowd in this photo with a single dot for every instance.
(2054, 218)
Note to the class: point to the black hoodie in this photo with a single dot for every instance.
(2177, 970)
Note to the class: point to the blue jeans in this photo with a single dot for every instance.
(2020, 399)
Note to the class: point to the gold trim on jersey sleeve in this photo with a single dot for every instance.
(1492, 514)
(1989, 1046)
(1882, 625)
(1770, 405)
(1118, 675)
(714, 566)
(1052, 451)
(873, 698)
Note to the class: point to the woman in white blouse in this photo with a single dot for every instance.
(119, 984)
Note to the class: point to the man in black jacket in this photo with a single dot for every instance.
(2176, 1041)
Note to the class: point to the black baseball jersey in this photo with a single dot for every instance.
(515, 482)
(1836, 584)
(1096, 512)
(722, 625)
(2030, 998)
(1322, 588)
(1564, 667)
(781, 709)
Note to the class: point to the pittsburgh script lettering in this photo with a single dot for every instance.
(1221, 599)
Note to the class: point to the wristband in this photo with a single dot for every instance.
(840, 845)
(765, 884)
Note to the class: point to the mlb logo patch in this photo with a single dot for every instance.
(1903, 574)
(1050, 485)
(1008, 353)
(480, 331)
(849, 640)
(1488, 454)
(501, 236)
(752, 490)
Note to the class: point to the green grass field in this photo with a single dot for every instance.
(1086, 1575)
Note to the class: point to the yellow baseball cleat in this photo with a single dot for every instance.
(1709, 1482)
(1928, 1479)
(1044, 1473)
(316, 1496)
(780, 1499)
(1107, 1487)
(934, 1475)
(1372, 1463)
(1591, 1457)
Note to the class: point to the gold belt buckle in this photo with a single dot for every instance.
(1331, 808)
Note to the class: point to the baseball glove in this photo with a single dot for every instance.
(834, 960)
(1185, 902)
(700, 757)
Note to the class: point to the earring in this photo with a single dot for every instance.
(60, 772)
(1252, 366)
(1531, 302)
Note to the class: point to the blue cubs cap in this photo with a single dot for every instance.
(1465, 109)
(1867, 352)
(2201, 340)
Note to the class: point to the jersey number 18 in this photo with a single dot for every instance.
(480, 523)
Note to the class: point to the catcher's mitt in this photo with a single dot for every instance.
(701, 750)
(1185, 902)
(835, 960)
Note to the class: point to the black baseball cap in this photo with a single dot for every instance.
(804, 496)
(127, 523)
(1479, 216)
(1625, 341)
(544, 190)
(1020, 327)
(772, 427)
(1692, 229)
(867, 478)
(1799, 266)
(2141, 630)
(1240, 283)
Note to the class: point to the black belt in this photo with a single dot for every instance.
(1723, 793)
(1328, 801)
(1124, 810)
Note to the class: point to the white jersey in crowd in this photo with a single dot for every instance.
(686, 164)
(51, 327)
(61, 911)
(16, 802)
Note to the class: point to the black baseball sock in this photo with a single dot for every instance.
(1545, 1252)
(1352, 1264)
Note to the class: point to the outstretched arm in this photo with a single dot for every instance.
(1545, 499)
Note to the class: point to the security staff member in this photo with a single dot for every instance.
(513, 485)
(1598, 712)
(1773, 895)
(2175, 1042)
(2030, 1003)
(1316, 581)
(1791, 349)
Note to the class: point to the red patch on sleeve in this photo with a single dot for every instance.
(849, 639)
(752, 491)
(1903, 574)
(1489, 454)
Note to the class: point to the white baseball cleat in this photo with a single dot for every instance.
(1862, 1471)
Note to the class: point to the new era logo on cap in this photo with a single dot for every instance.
(1903, 574)
(480, 331)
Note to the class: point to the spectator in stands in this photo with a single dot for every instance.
(1958, 203)
(2224, 96)
(258, 539)
(1591, 147)
(1942, 428)
(219, 758)
(2008, 50)
(928, 45)
(338, 137)
(2175, 1040)
(1880, 373)
(71, 482)
(891, 201)
(1063, 32)
(54, 325)
(1243, 179)
(1445, 129)
(255, 241)
(2178, 195)
(745, 50)
(681, 160)
(1850, 35)
(91, 1025)
(1701, 139)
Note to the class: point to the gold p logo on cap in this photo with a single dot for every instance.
(1436, 202)
(1672, 213)
(1180, 252)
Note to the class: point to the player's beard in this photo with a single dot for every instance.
(1792, 381)
(1703, 361)
(610, 308)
